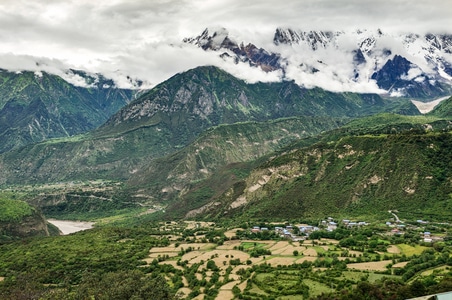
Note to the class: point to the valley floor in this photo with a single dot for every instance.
(278, 268)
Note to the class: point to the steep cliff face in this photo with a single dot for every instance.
(19, 220)
(33, 225)
(315, 39)
(399, 76)
(219, 40)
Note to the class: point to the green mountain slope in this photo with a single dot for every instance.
(444, 109)
(191, 102)
(168, 118)
(353, 170)
(36, 107)
(166, 178)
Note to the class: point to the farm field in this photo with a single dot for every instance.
(203, 260)
(267, 267)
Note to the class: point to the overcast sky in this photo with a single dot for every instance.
(142, 38)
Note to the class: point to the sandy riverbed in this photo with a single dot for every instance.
(426, 107)
(67, 227)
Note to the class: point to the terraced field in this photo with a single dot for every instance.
(233, 258)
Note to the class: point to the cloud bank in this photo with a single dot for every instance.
(142, 39)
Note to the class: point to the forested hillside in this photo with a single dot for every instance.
(37, 106)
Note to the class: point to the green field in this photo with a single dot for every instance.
(411, 250)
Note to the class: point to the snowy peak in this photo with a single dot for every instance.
(369, 61)
(315, 39)
(215, 41)
(366, 40)
(219, 40)
(440, 42)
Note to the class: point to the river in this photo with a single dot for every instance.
(67, 227)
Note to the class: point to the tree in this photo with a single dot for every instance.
(212, 266)
(295, 253)
(417, 289)
(124, 285)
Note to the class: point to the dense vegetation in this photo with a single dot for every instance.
(393, 163)
(444, 109)
(13, 210)
(124, 262)
(65, 259)
(205, 145)
(38, 106)
(222, 149)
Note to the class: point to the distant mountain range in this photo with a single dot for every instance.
(206, 144)
(173, 115)
(410, 65)
(36, 106)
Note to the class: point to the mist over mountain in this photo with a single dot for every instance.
(342, 60)
(36, 106)
(358, 61)
(225, 149)
(171, 116)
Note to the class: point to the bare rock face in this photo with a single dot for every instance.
(219, 40)
(315, 39)
(363, 56)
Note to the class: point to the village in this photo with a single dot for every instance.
(240, 260)
(395, 226)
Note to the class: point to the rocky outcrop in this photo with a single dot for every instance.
(34, 224)
(219, 40)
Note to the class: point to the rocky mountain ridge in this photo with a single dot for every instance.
(36, 106)
(219, 41)
(369, 165)
(168, 118)
(351, 60)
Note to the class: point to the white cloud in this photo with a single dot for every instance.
(142, 39)
(412, 74)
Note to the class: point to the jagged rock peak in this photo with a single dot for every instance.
(315, 39)
(219, 40)
(440, 41)
(213, 39)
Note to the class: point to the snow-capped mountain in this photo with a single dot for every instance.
(411, 65)
(314, 39)
(219, 40)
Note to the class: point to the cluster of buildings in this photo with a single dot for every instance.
(301, 232)
(295, 233)
(427, 237)
(259, 229)
(288, 232)
(399, 229)
(331, 225)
